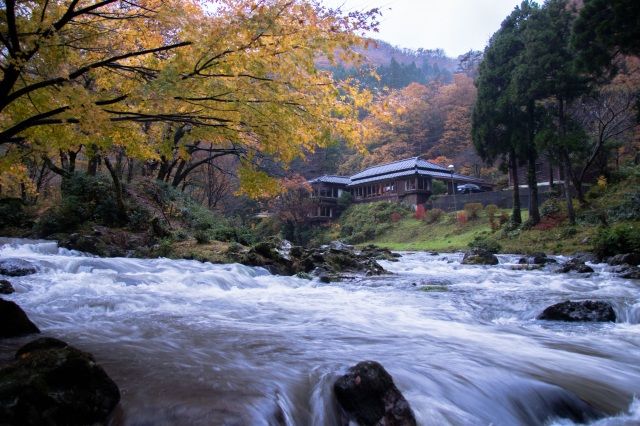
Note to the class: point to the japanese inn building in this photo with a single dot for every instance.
(406, 181)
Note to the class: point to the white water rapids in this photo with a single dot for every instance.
(192, 343)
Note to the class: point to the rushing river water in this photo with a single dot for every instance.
(192, 343)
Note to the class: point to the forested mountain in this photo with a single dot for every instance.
(423, 102)
(392, 67)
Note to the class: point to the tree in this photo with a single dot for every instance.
(604, 30)
(498, 123)
(106, 76)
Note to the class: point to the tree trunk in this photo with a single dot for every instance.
(117, 189)
(566, 162)
(178, 176)
(162, 170)
(532, 181)
(516, 214)
(92, 166)
(567, 187)
(130, 167)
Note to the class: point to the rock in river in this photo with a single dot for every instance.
(632, 259)
(587, 310)
(368, 395)
(51, 383)
(575, 265)
(13, 321)
(479, 257)
(16, 268)
(6, 287)
(536, 259)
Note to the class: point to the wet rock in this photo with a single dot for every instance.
(587, 310)
(40, 344)
(339, 245)
(324, 278)
(51, 383)
(379, 253)
(630, 273)
(266, 254)
(479, 257)
(525, 267)
(536, 259)
(586, 257)
(368, 395)
(434, 253)
(6, 287)
(574, 265)
(328, 260)
(632, 259)
(16, 268)
(13, 321)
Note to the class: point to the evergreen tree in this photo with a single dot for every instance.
(499, 126)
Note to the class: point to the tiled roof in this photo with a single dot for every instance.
(410, 166)
(442, 175)
(342, 180)
(414, 164)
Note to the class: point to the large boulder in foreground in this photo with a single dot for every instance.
(575, 265)
(16, 268)
(479, 257)
(587, 310)
(51, 383)
(13, 321)
(368, 395)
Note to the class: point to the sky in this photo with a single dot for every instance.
(453, 25)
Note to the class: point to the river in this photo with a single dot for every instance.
(192, 343)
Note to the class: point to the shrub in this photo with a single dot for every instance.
(12, 213)
(568, 232)
(345, 199)
(628, 209)
(362, 222)
(139, 218)
(485, 243)
(473, 210)
(433, 215)
(202, 237)
(550, 207)
(438, 187)
(461, 217)
(620, 238)
(491, 211)
(503, 218)
(395, 217)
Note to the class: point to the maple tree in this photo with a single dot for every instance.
(163, 80)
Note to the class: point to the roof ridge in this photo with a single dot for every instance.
(386, 164)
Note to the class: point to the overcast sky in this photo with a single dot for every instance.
(453, 25)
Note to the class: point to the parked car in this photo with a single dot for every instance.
(468, 188)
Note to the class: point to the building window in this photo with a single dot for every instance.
(410, 185)
(390, 187)
(325, 211)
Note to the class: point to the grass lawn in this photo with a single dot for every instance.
(446, 235)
